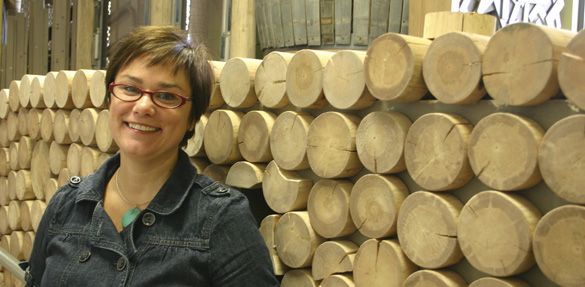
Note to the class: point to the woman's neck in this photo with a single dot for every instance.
(140, 179)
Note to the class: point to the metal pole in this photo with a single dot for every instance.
(11, 264)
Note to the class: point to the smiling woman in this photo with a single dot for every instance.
(145, 217)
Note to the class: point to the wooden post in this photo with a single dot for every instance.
(328, 207)
(495, 232)
(296, 240)
(560, 160)
(87, 126)
(221, 143)
(381, 263)
(299, 278)
(57, 157)
(285, 190)
(331, 257)
(435, 151)
(246, 175)
(80, 88)
(61, 126)
(304, 78)
(270, 80)
(97, 89)
(332, 152)
(60, 35)
(63, 82)
(439, 277)
(237, 82)
(571, 64)
(452, 68)
(243, 30)
(427, 229)
(503, 151)
(103, 134)
(40, 168)
(254, 136)
(374, 204)
(216, 99)
(194, 146)
(288, 140)
(344, 83)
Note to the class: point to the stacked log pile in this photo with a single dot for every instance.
(456, 161)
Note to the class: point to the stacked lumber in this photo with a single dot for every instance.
(448, 162)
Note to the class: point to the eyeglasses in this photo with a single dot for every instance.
(129, 93)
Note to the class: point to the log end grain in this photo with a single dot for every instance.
(288, 140)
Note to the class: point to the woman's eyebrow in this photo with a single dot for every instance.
(160, 85)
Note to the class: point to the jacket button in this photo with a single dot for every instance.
(121, 264)
(75, 180)
(148, 219)
(222, 190)
(84, 255)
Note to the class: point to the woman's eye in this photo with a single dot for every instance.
(166, 96)
(131, 90)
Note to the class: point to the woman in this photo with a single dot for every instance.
(145, 217)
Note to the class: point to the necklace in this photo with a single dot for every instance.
(131, 213)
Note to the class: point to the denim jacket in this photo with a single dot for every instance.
(195, 232)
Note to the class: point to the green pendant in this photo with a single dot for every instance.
(129, 216)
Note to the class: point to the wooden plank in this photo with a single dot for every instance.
(405, 17)
(39, 31)
(361, 22)
(395, 17)
(287, 23)
(21, 64)
(260, 24)
(313, 22)
(84, 34)
(378, 18)
(419, 8)
(243, 39)
(161, 12)
(327, 22)
(343, 22)
(60, 35)
(10, 53)
(299, 22)
(277, 24)
(267, 6)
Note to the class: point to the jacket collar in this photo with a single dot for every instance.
(168, 199)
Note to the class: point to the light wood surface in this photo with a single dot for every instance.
(288, 140)
(434, 278)
(331, 148)
(243, 38)
(571, 65)
(296, 240)
(25, 150)
(87, 126)
(558, 241)
(89, 160)
(427, 229)
(221, 142)
(380, 141)
(217, 172)
(47, 121)
(4, 106)
(328, 207)
(520, 63)
(36, 213)
(216, 100)
(23, 121)
(285, 190)
(24, 92)
(13, 94)
(237, 82)
(195, 147)
(25, 214)
(435, 151)
(452, 67)
(254, 136)
(98, 89)
(34, 123)
(61, 126)
(495, 232)
(561, 158)
(334, 256)
(374, 204)
(24, 189)
(40, 168)
(74, 125)
(36, 92)
(103, 134)
(503, 151)
(57, 157)
(344, 82)
(381, 263)
(304, 78)
(338, 280)
(50, 89)
(393, 67)
(63, 83)
(74, 159)
(299, 278)
(270, 80)
(498, 282)
(247, 175)
(267, 228)
(80, 87)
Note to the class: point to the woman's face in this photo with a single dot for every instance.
(141, 127)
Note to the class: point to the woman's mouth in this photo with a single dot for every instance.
(142, 128)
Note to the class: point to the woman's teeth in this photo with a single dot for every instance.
(142, 128)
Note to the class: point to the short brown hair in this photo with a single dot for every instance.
(167, 45)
